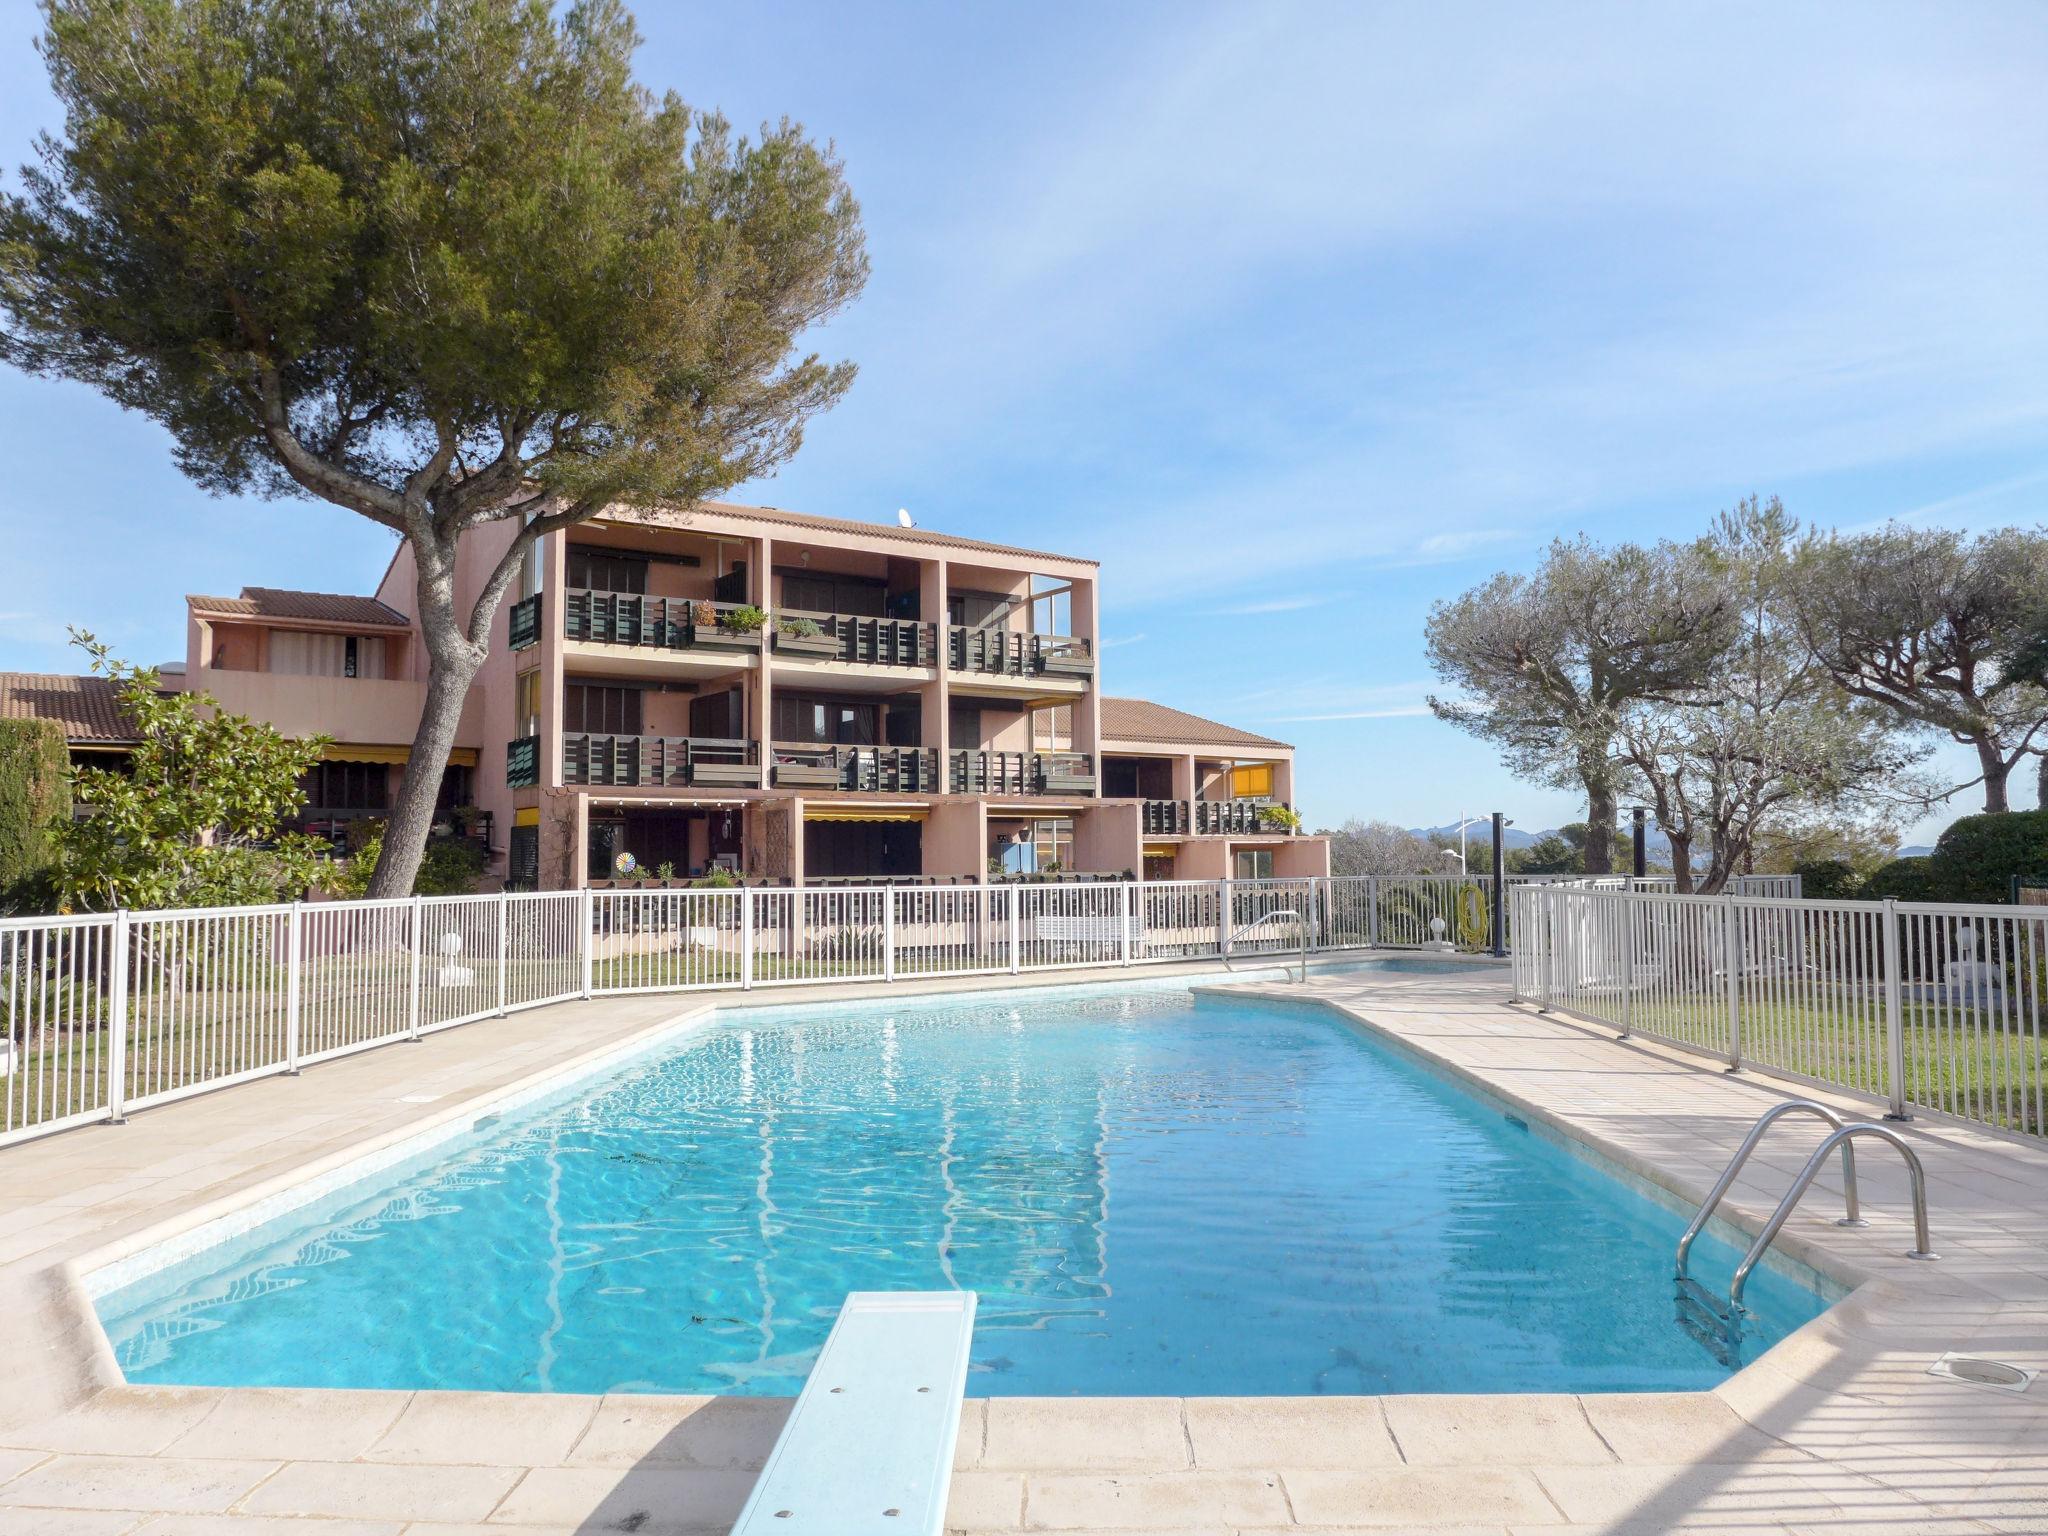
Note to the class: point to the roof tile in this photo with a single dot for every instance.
(1142, 720)
(86, 706)
(312, 607)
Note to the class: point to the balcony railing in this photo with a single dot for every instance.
(1013, 653)
(1207, 818)
(525, 622)
(1021, 773)
(522, 762)
(851, 637)
(590, 758)
(876, 770)
(666, 623)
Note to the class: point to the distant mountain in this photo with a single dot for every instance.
(1482, 832)
(1916, 851)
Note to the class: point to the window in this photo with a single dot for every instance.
(1253, 864)
(806, 719)
(828, 592)
(296, 653)
(601, 709)
(526, 704)
(1053, 841)
(345, 787)
(607, 571)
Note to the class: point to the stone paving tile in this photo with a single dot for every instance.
(144, 1484)
(264, 1525)
(1255, 1434)
(1679, 1426)
(126, 1421)
(1463, 1431)
(1420, 1496)
(14, 1463)
(499, 1429)
(1127, 1434)
(75, 1522)
(985, 1501)
(651, 1501)
(292, 1424)
(720, 1433)
(1179, 1500)
(372, 1491)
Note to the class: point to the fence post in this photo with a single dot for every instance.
(588, 907)
(746, 938)
(1544, 949)
(888, 934)
(1372, 911)
(504, 945)
(117, 1019)
(1016, 893)
(1224, 918)
(294, 926)
(1894, 1017)
(1124, 918)
(1732, 960)
(414, 1009)
(1628, 960)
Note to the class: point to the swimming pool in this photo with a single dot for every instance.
(1151, 1195)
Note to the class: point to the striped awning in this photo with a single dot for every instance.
(360, 752)
(866, 813)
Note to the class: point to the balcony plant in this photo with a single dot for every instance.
(803, 637)
(1280, 818)
(731, 629)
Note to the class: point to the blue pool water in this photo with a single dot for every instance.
(1151, 1197)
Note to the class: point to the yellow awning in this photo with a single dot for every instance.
(359, 752)
(528, 816)
(1159, 850)
(862, 813)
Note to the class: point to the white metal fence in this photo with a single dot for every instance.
(107, 1013)
(1926, 1005)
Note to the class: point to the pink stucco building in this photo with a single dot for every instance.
(915, 706)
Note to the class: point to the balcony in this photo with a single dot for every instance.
(850, 637)
(660, 761)
(1021, 773)
(875, 770)
(1013, 653)
(662, 623)
(1207, 818)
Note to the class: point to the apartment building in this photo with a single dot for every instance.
(794, 699)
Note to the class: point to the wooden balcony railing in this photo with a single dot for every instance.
(661, 760)
(1207, 818)
(525, 622)
(1013, 653)
(1021, 773)
(851, 637)
(876, 770)
(666, 623)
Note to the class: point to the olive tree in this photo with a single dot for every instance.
(440, 262)
(1379, 848)
(1767, 736)
(1545, 663)
(1925, 623)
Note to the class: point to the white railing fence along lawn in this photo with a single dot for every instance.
(107, 1013)
(1926, 1005)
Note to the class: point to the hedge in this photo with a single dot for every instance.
(35, 796)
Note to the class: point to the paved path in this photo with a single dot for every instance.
(1838, 1430)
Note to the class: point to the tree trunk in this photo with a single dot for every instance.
(1599, 825)
(1681, 861)
(1996, 771)
(2041, 783)
(452, 664)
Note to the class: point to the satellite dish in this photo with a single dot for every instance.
(903, 517)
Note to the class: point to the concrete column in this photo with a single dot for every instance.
(579, 845)
(554, 563)
(935, 698)
(1108, 839)
(956, 838)
(761, 720)
(1283, 781)
(1085, 609)
(1184, 784)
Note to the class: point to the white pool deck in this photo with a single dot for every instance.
(1838, 1430)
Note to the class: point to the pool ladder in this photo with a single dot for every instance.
(1300, 928)
(1842, 1133)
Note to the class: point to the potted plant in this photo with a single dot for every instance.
(1280, 818)
(730, 629)
(803, 637)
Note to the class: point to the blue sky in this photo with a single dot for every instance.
(1298, 317)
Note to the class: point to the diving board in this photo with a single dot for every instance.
(868, 1449)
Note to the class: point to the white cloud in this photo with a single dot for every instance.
(1276, 605)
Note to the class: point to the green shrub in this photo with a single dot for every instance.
(1902, 880)
(1977, 857)
(1828, 880)
(35, 800)
(451, 866)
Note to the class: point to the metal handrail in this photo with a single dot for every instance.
(1918, 1176)
(1301, 929)
(1764, 1122)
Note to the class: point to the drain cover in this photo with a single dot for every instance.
(1995, 1374)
